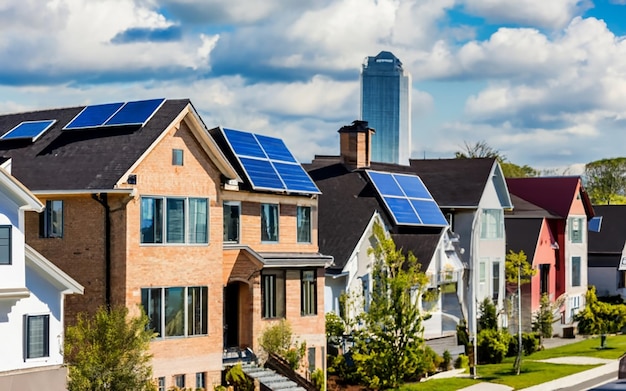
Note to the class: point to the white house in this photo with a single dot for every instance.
(32, 292)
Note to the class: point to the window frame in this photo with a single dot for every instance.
(495, 280)
(178, 157)
(45, 336)
(52, 214)
(160, 316)
(179, 381)
(492, 224)
(304, 234)
(200, 380)
(308, 288)
(266, 220)
(575, 235)
(576, 271)
(8, 245)
(163, 221)
(273, 294)
(482, 271)
(231, 204)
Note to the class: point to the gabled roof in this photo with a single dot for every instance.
(345, 208)
(17, 192)
(523, 234)
(525, 209)
(555, 194)
(423, 246)
(85, 159)
(455, 182)
(612, 236)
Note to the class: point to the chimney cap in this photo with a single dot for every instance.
(358, 126)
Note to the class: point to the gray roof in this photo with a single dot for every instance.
(523, 234)
(612, 235)
(80, 159)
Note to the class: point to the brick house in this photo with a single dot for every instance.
(135, 196)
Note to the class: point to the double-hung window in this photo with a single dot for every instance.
(269, 222)
(51, 220)
(37, 342)
(495, 280)
(576, 269)
(174, 220)
(576, 226)
(231, 221)
(5, 245)
(303, 218)
(492, 224)
(176, 311)
(273, 294)
(308, 293)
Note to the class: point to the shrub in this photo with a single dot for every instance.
(446, 360)
(492, 346)
(461, 362)
(344, 368)
(488, 315)
(542, 322)
(530, 344)
(317, 378)
(236, 377)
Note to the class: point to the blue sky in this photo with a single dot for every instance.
(543, 82)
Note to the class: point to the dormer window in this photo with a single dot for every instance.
(5, 245)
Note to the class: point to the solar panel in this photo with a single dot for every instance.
(28, 130)
(135, 113)
(94, 116)
(268, 163)
(407, 199)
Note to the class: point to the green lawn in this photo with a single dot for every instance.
(532, 372)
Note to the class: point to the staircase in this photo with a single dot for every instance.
(269, 380)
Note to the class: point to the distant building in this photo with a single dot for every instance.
(386, 105)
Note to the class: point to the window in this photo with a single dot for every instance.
(177, 157)
(304, 224)
(621, 283)
(231, 221)
(176, 311)
(37, 336)
(182, 220)
(482, 272)
(311, 359)
(269, 222)
(161, 384)
(179, 381)
(51, 220)
(495, 279)
(492, 224)
(308, 293)
(273, 294)
(576, 229)
(5, 245)
(200, 380)
(575, 271)
(544, 278)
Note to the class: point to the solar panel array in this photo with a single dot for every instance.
(407, 199)
(115, 114)
(28, 130)
(268, 163)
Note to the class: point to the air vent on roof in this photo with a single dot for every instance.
(28, 130)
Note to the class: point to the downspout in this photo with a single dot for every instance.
(103, 199)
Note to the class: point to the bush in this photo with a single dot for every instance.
(446, 361)
(428, 364)
(317, 378)
(488, 315)
(344, 368)
(530, 344)
(461, 362)
(238, 379)
(492, 346)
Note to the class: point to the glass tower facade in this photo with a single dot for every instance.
(386, 106)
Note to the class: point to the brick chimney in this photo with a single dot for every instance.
(356, 144)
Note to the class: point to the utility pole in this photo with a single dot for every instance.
(518, 360)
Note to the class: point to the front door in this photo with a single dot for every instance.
(231, 315)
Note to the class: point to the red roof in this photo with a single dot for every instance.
(555, 194)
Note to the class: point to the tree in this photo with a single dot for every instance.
(109, 351)
(544, 317)
(512, 170)
(605, 180)
(277, 339)
(600, 318)
(481, 149)
(488, 315)
(519, 270)
(389, 348)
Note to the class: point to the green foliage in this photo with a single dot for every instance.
(517, 263)
(446, 360)
(295, 354)
(530, 344)
(344, 368)
(461, 362)
(462, 334)
(492, 345)
(276, 339)
(389, 347)
(512, 170)
(598, 317)
(335, 328)
(488, 315)
(542, 322)
(109, 351)
(236, 377)
(605, 180)
(479, 149)
(317, 378)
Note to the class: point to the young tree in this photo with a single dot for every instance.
(605, 180)
(109, 351)
(488, 315)
(600, 318)
(520, 271)
(389, 347)
(544, 317)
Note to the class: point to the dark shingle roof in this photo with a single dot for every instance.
(526, 209)
(612, 234)
(80, 159)
(523, 234)
(423, 246)
(455, 182)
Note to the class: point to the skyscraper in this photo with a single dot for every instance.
(386, 105)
